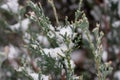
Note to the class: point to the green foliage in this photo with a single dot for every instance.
(55, 60)
(53, 66)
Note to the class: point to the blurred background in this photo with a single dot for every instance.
(14, 25)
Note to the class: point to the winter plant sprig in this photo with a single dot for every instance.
(54, 61)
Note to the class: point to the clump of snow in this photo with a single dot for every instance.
(104, 55)
(116, 49)
(79, 30)
(116, 24)
(44, 77)
(117, 75)
(78, 56)
(51, 27)
(32, 74)
(66, 30)
(26, 37)
(13, 52)
(54, 52)
(11, 5)
(35, 76)
(43, 40)
(23, 25)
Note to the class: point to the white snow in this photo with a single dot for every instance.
(54, 52)
(66, 30)
(116, 49)
(23, 26)
(35, 76)
(117, 75)
(13, 52)
(43, 40)
(104, 55)
(11, 5)
(116, 24)
(44, 77)
(78, 56)
(51, 27)
(26, 37)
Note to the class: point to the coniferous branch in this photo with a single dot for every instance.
(58, 57)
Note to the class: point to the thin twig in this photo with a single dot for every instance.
(54, 10)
